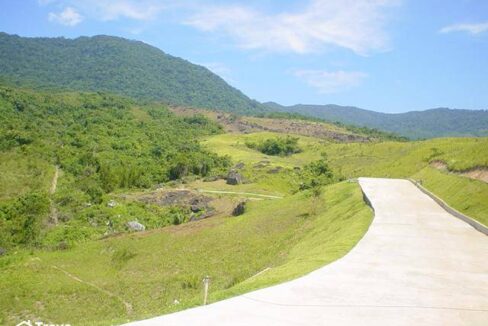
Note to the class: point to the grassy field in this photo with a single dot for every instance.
(141, 275)
(383, 159)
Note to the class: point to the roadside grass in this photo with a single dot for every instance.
(464, 194)
(153, 269)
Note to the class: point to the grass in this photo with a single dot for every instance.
(153, 269)
(381, 159)
(21, 173)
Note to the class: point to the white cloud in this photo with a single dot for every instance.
(327, 82)
(137, 10)
(107, 10)
(468, 28)
(357, 25)
(68, 17)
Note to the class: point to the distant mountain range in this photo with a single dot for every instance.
(138, 70)
(116, 65)
(440, 122)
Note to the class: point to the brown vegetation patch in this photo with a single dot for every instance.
(476, 173)
(245, 125)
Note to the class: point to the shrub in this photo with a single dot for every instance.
(280, 146)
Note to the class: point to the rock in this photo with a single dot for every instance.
(3, 251)
(234, 178)
(239, 166)
(197, 217)
(239, 209)
(112, 203)
(261, 164)
(197, 205)
(275, 170)
(135, 226)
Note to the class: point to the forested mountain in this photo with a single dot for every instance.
(116, 65)
(439, 122)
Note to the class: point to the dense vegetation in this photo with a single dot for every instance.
(440, 122)
(99, 143)
(116, 65)
(282, 146)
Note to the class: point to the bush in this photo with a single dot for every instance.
(21, 219)
(280, 146)
(316, 174)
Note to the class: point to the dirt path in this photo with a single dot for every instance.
(239, 193)
(53, 212)
(127, 305)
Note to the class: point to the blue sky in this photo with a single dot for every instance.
(383, 55)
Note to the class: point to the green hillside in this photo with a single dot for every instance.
(116, 65)
(86, 145)
(433, 123)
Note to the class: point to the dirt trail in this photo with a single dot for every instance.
(54, 182)
(53, 214)
(239, 193)
(128, 306)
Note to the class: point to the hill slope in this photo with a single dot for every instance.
(117, 65)
(439, 122)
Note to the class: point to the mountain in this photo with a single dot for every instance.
(441, 122)
(116, 65)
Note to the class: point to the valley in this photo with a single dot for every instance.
(128, 176)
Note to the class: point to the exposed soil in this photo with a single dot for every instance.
(192, 200)
(203, 205)
(246, 125)
(477, 173)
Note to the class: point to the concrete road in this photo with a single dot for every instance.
(416, 265)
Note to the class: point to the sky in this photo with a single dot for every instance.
(382, 55)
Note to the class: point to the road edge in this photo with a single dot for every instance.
(475, 224)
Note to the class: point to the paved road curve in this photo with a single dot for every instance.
(416, 265)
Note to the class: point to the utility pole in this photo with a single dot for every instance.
(206, 282)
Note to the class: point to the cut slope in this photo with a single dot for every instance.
(117, 65)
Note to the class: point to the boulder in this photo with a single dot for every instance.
(112, 203)
(135, 226)
(239, 209)
(234, 178)
(3, 251)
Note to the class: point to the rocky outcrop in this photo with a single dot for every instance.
(135, 226)
(234, 178)
(239, 209)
